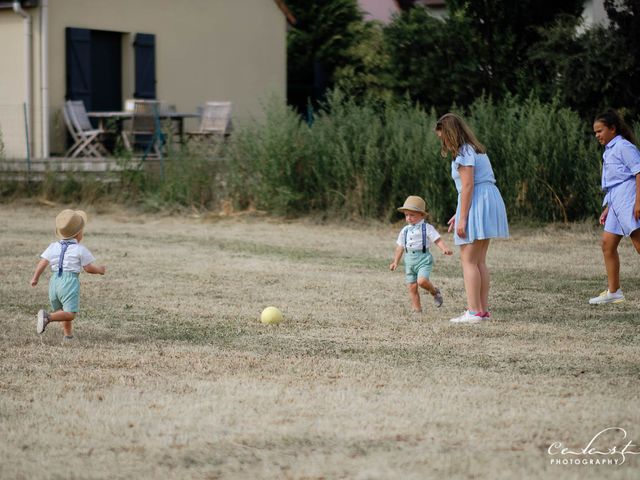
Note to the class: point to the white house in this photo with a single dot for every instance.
(103, 52)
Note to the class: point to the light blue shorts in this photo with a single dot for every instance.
(417, 264)
(621, 200)
(64, 292)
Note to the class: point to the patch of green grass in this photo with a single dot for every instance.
(306, 255)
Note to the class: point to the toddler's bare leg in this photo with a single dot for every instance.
(415, 297)
(66, 328)
(427, 285)
(65, 317)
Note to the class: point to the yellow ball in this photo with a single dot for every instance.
(271, 316)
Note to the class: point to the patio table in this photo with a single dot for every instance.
(120, 116)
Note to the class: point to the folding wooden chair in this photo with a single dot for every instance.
(86, 138)
(144, 134)
(215, 124)
(215, 119)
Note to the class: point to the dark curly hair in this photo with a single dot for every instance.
(613, 120)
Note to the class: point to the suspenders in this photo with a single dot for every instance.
(63, 244)
(424, 238)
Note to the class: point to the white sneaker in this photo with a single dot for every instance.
(467, 317)
(608, 297)
(43, 321)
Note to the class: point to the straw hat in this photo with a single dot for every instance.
(415, 204)
(69, 223)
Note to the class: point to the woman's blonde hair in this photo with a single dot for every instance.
(456, 133)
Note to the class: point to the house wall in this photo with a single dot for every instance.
(594, 14)
(380, 10)
(205, 50)
(13, 83)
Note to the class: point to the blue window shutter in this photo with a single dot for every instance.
(145, 65)
(78, 51)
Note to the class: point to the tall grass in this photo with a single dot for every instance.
(361, 160)
(190, 177)
(187, 177)
(271, 163)
(546, 162)
(354, 161)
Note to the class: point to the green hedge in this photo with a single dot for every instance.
(361, 161)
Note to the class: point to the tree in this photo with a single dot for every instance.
(625, 32)
(318, 45)
(481, 47)
(367, 76)
(597, 68)
(433, 60)
(574, 65)
(505, 30)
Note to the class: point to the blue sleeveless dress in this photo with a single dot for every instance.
(487, 214)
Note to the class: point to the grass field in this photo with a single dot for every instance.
(172, 376)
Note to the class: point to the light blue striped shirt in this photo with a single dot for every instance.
(620, 162)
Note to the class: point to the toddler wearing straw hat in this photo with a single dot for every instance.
(415, 239)
(67, 259)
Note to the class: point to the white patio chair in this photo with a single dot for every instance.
(143, 135)
(86, 138)
(215, 119)
(215, 125)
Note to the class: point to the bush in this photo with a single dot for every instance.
(546, 162)
(354, 161)
(270, 163)
(360, 160)
(187, 177)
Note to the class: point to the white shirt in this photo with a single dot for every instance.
(76, 257)
(414, 235)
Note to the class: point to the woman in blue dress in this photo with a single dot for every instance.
(621, 185)
(480, 214)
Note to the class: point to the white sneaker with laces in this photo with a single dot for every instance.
(467, 317)
(43, 321)
(608, 297)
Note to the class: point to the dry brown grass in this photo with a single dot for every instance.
(172, 376)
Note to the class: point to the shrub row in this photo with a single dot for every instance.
(361, 161)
